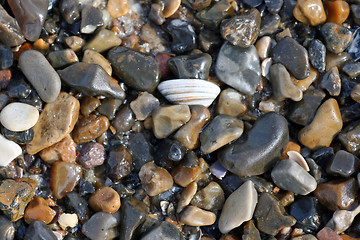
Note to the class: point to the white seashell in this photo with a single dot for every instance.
(189, 91)
(299, 159)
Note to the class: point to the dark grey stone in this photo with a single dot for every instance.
(317, 53)
(39, 231)
(183, 36)
(331, 82)
(337, 38)
(99, 225)
(343, 164)
(269, 24)
(91, 19)
(165, 231)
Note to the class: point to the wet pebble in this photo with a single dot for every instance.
(186, 196)
(210, 197)
(91, 155)
(337, 11)
(18, 117)
(184, 175)
(331, 81)
(11, 35)
(18, 88)
(119, 162)
(78, 204)
(70, 10)
(154, 179)
(109, 106)
(269, 24)
(343, 164)
(40, 74)
(273, 6)
(317, 53)
(220, 131)
(93, 57)
(310, 12)
(62, 58)
(39, 230)
(103, 41)
(144, 105)
(91, 18)
(105, 199)
(183, 36)
(305, 211)
(124, 119)
(337, 38)
(68, 220)
(230, 102)
(89, 128)
(99, 226)
(327, 234)
(213, 16)
(168, 151)
(21, 138)
(65, 150)
(117, 8)
(244, 77)
(140, 149)
(165, 231)
(352, 69)
(194, 216)
(263, 47)
(88, 105)
(39, 210)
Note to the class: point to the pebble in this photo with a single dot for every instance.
(317, 53)
(338, 60)
(79, 205)
(183, 36)
(239, 207)
(91, 19)
(21, 138)
(193, 66)
(156, 14)
(39, 210)
(105, 199)
(64, 177)
(260, 150)
(39, 230)
(331, 81)
(230, 102)
(269, 24)
(271, 216)
(75, 43)
(184, 175)
(99, 226)
(93, 57)
(117, 8)
(327, 234)
(11, 34)
(91, 155)
(325, 125)
(15, 195)
(342, 219)
(282, 85)
(337, 38)
(88, 105)
(62, 58)
(208, 40)
(305, 211)
(310, 12)
(221, 130)
(109, 106)
(5, 77)
(244, 77)
(70, 10)
(132, 214)
(274, 6)
(352, 69)
(209, 198)
(154, 179)
(68, 220)
(6, 57)
(349, 138)
(144, 105)
(303, 112)
(40, 74)
(188, 134)
(119, 162)
(168, 151)
(18, 117)
(55, 122)
(167, 119)
(263, 47)
(290, 176)
(213, 16)
(293, 56)
(91, 80)
(140, 149)
(126, 62)
(194, 216)
(18, 88)
(103, 41)
(64, 150)
(242, 30)
(186, 196)
(31, 16)
(89, 128)
(337, 11)
(337, 193)
(7, 228)
(343, 164)
(165, 231)
(124, 119)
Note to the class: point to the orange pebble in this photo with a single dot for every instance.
(23, 48)
(38, 209)
(292, 146)
(337, 11)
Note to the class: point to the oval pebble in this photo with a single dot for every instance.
(18, 117)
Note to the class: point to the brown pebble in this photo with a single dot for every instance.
(89, 128)
(119, 161)
(5, 76)
(230, 103)
(338, 11)
(41, 46)
(327, 234)
(75, 42)
(305, 83)
(186, 195)
(40, 210)
(184, 176)
(210, 197)
(105, 199)
(117, 8)
(229, 237)
(88, 105)
(64, 177)
(310, 12)
(65, 150)
(154, 179)
(124, 119)
(93, 57)
(171, 6)
(337, 194)
(92, 155)
(287, 199)
(194, 216)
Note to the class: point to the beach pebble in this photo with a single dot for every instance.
(343, 164)
(337, 38)
(337, 11)
(89, 128)
(7, 228)
(239, 207)
(244, 77)
(230, 103)
(65, 150)
(250, 232)
(20, 138)
(11, 34)
(352, 69)
(154, 179)
(40, 74)
(103, 41)
(93, 57)
(117, 8)
(144, 105)
(91, 18)
(183, 36)
(6, 57)
(317, 53)
(91, 155)
(39, 230)
(18, 117)
(39, 210)
(194, 216)
(186, 196)
(310, 12)
(263, 46)
(306, 212)
(331, 82)
(70, 10)
(119, 162)
(210, 197)
(99, 226)
(165, 231)
(105, 199)
(62, 58)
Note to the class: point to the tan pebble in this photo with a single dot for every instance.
(263, 46)
(338, 11)
(65, 150)
(103, 41)
(90, 128)
(68, 220)
(186, 195)
(39, 209)
(184, 176)
(194, 216)
(230, 103)
(355, 93)
(154, 179)
(41, 45)
(75, 43)
(171, 6)
(91, 56)
(88, 105)
(55, 122)
(326, 124)
(305, 83)
(333, 59)
(117, 8)
(210, 197)
(310, 12)
(105, 199)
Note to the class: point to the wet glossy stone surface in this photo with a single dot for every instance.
(337, 38)
(39, 230)
(91, 155)
(105, 199)
(11, 34)
(210, 197)
(154, 179)
(183, 36)
(331, 81)
(343, 164)
(317, 52)
(119, 161)
(99, 226)
(89, 128)
(305, 211)
(65, 150)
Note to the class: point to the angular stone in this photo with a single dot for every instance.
(262, 148)
(251, 232)
(15, 195)
(194, 216)
(91, 155)
(89, 128)
(239, 207)
(31, 16)
(119, 162)
(91, 18)
(18, 117)
(242, 30)
(10, 34)
(56, 121)
(136, 69)
(154, 179)
(191, 66)
(271, 216)
(210, 197)
(337, 194)
(40, 74)
(183, 36)
(103, 41)
(39, 230)
(317, 53)
(213, 16)
(65, 150)
(230, 103)
(325, 125)
(293, 56)
(39, 209)
(93, 57)
(144, 105)
(100, 226)
(282, 85)
(62, 58)
(165, 231)
(305, 211)
(167, 119)
(91, 80)
(310, 12)
(343, 164)
(221, 130)
(290, 176)
(239, 67)
(331, 81)
(337, 38)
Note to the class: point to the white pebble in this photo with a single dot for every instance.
(9, 150)
(68, 220)
(18, 117)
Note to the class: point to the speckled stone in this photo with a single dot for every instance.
(331, 81)
(337, 38)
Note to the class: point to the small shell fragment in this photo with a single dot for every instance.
(299, 159)
(189, 91)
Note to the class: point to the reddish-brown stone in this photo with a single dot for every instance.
(89, 128)
(105, 199)
(65, 150)
(39, 209)
(337, 11)
(5, 76)
(327, 234)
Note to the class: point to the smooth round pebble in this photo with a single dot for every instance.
(19, 117)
